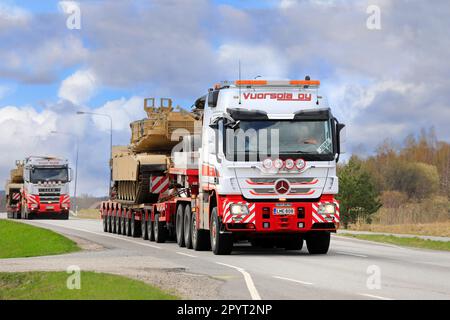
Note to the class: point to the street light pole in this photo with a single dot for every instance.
(110, 142)
(76, 168)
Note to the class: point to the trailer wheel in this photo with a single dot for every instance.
(123, 226)
(135, 227)
(117, 224)
(144, 228)
(187, 227)
(105, 225)
(127, 227)
(318, 242)
(221, 243)
(159, 230)
(109, 224)
(180, 225)
(200, 238)
(150, 230)
(113, 224)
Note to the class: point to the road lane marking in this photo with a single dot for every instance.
(103, 234)
(375, 297)
(351, 254)
(248, 281)
(186, 254)
(293, 280)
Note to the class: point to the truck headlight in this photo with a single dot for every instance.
(239, 209)
(34, 206)
(327, 208)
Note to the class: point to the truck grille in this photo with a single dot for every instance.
(49, 195)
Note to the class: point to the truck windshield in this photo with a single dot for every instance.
(257, 140)
(49, 174)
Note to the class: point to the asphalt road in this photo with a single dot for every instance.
(353, 269)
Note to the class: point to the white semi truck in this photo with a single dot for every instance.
(263, 170)
(41, 188)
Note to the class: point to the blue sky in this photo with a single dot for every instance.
(384, 83)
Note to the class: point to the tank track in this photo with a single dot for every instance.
(137, 192)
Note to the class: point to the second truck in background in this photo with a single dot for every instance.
(39, 188)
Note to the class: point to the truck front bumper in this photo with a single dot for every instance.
(279, 217)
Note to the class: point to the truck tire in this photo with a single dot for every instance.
(200, 238)
(135, 227)
(127, 227)
(318, 242)
(144, 228)
(122, 226)
(118, 224)
(109, 224)
(159, 230)
(150, 229)
(105, 223)
(113, 224)
(221, 243)
(187, 227)
(294, 242)
(180, 225)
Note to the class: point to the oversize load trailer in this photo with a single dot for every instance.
(261, 167)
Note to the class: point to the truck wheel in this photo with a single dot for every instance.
(220, 243)
(318, 242)
(113, 224)
(294, 243)
(187, 227)
(105, 225)
(122, 226)
(180, 225)
(159, 230)
(200, 238)
(117, 224)
(144, 228)
(150, 230)
(109, 224)
(127, 227)
(135, 227)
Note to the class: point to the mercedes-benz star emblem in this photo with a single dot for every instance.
(282, 187)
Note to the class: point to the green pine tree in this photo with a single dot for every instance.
(357, 192)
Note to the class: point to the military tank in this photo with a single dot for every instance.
(148, 156)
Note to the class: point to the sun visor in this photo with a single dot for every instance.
(313, 114)
(245, 114)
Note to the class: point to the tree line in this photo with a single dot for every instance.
(416, 171)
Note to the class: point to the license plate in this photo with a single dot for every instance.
(283, 211)
(50, 207)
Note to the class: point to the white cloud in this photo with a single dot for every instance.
(13, 15)
(79, 88)
(256, 60)
(122, 112)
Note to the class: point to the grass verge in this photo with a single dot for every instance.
(23, 240)
(88, 214)
(403, 241)
(93, 286)
(439, 229)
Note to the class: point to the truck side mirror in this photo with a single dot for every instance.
(70, 174)
(341, 136)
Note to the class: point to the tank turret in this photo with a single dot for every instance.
(148, 155)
